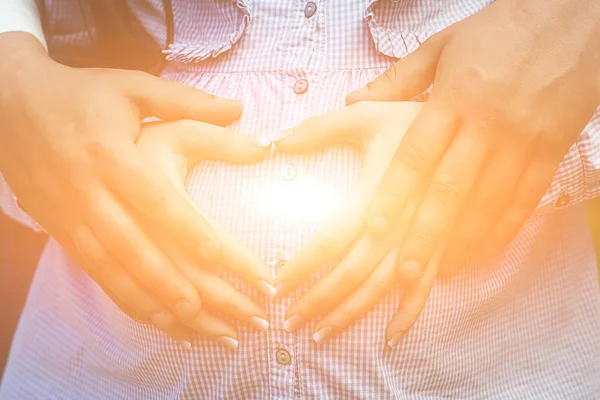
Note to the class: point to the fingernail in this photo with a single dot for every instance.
(281, 135)
(229, 342)
(260, 142)
(259, 323)
(185, 309)
(207, 251)
(282, 289)
(322, 334)
(292, 323)
(410, 269)
(186, 345)
(395, 339)
(267, 289)
(160, 319)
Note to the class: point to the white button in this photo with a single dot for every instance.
(289, 172)
(283, 357)
(300, 86)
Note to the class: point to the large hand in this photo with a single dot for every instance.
(367, 271)
(513, 87)
(67, 150)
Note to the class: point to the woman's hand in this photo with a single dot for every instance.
(367, 271)
(513, 88)
(67, 150)
(173, 148)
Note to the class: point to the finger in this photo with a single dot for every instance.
(344, 126)
(349, 275)
(167, 323)
(194, 141)
(127, 293)
(452, 181)
(530, 189)
(407, 78)
(345, 226)
(420, 149)
(415, 297)
(151, 193)
(358, 304)
(173, 101)
(484, 206)
(121, 238)
(211, 142)
(215, 328)
(217, 293)
(413, 301)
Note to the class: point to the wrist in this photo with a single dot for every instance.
(18, 49)
(22, 58)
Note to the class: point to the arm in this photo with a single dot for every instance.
(18, 16)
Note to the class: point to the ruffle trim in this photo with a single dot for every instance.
(392, 42)
(198, 51)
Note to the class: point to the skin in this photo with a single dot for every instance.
(376, 129)
(513, 87)
(68, 151)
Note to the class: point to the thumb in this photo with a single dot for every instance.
(196, 141)
(407, 78)
(323, 131)
(169, 100)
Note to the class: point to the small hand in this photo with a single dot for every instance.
(367, 271)
(173, 148)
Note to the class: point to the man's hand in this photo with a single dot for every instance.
(367, 271)
(67, 150)
(513, 87)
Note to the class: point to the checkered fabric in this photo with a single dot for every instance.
(523, 325)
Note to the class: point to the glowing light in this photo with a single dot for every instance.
(301, 200)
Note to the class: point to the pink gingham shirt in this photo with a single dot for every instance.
(523, 325)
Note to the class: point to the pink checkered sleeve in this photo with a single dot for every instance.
(10, 207)
(578, 176)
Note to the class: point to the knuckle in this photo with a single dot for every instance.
(423, 240)
(165, 286)
(445, 190)
(414, 157)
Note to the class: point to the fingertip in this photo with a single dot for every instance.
(280, 136)
(282, 290)
(228, 111)
(356, 96)
(393, 339)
